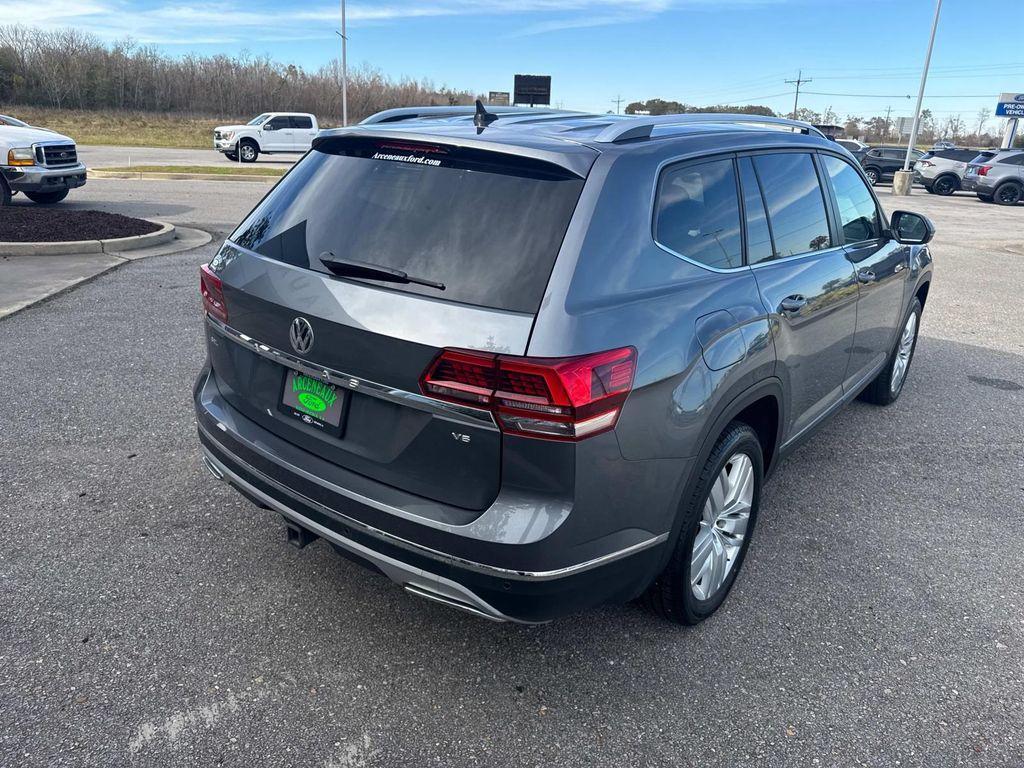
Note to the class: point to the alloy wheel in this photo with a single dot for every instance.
(903, 353)
(1009, 194)
(247, 152)
(944, 186)
(723, 527)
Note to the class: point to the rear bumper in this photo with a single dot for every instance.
(975, 184)
(33, 178)
(530, 582)
(491, 593)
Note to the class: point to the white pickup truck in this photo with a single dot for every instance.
(269, 134)
(42, 164)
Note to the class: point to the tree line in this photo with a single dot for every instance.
(71, 69)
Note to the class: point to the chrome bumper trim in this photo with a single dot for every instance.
(460, 413)
(444, 557)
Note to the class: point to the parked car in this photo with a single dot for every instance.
(37, 162)
(525, 421)
(881, 163)
(999, 177)
(942, 171)
(855, 147)
(944, 145)
(270, 133)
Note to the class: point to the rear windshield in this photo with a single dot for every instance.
(487, 226)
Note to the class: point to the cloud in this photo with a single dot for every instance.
(251, 21)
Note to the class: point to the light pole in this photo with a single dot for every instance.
(344, 68)
(901, 185)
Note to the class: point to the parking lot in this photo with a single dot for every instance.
(153, 617)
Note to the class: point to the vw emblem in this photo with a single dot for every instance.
(301, 335)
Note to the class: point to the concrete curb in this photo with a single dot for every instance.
(115, 244)
(139, 175)
(84, 269)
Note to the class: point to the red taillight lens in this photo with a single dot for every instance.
(212, 290)
(556, 398)
(983, 171)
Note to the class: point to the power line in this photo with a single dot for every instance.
(905, 95)
(617, 101)
(797, 82)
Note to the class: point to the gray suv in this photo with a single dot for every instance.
(997, 177)
(526, 362)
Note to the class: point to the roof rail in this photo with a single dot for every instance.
(414, 113)
(641, 127)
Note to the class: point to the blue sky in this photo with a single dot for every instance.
(697, 51)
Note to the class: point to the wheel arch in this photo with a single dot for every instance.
(761, 403)
(249, 140)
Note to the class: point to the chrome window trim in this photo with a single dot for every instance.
(464, 414)
(491, 570)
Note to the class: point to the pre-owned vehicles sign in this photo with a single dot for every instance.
(1010, 105)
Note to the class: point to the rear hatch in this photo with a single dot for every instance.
(485, 225)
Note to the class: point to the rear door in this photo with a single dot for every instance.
(806, 283)
(303, 132)
(486, 226)
(881, 268)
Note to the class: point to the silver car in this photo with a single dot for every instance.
(999, 178)
(942, 170)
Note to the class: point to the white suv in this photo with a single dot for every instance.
(269, 134)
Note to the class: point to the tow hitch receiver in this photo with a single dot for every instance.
(297, 536)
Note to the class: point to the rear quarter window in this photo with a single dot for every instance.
(698, 214)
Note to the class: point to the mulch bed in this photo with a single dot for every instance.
(24, 224)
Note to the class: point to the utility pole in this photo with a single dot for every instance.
(888, 111)
(798, 82)
(920, 96)
(344, 68)
(617, 101)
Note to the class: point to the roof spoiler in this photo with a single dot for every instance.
(575, 159)
(642, 127)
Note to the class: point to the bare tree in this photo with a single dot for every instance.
(69, 69)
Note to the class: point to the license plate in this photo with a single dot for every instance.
(313, 402)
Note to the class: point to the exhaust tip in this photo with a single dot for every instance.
(213, 468)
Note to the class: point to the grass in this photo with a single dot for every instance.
(124, 129)
(219, 170)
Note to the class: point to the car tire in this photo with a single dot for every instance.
(886, 387)
(5, 192)
(928, 189)
(945, 185)
(718, 519)
(873, 174)
(47, 198)
(1008, 193)
(248, 151)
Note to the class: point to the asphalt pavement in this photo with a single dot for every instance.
(100, 156)
(152, 617)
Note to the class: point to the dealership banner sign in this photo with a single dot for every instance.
(1010, 105)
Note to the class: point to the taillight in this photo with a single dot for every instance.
(555, 398)
(212, 289)
(983, 171)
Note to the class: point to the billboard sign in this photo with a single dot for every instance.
(498, 98)
(532, 90)
(906, 126)
(1010, 105)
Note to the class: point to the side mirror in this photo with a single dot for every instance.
(269, 127)
(911, 228)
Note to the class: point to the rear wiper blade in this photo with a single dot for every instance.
(347, 268)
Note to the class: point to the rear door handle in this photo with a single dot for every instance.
(792, 304)
(865, 275)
